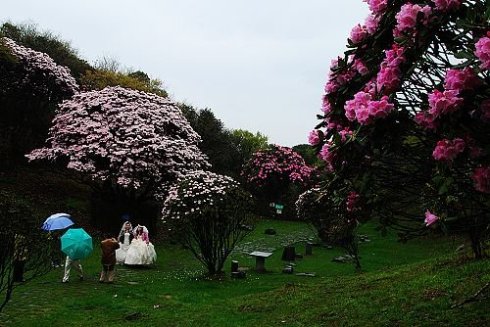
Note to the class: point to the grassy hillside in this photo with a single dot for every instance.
(402, 284)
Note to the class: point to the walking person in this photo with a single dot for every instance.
(108, 260)
(69, 263)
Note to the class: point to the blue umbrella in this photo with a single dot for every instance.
(76, 243)
(57, 221)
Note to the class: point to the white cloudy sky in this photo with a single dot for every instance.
(259, 65)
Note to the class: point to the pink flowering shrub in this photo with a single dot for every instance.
(278, 162)
(131, 138)
(207, 213)
(39, 71)
(414, 75)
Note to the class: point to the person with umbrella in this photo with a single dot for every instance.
(77, 245)
(54, 224)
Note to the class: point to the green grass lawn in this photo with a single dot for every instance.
(401, 284)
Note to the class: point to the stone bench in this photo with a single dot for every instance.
(260, 259)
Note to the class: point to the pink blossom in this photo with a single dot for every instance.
(441, 103)
(326, 108)
(314, 137)
(371, 24)
(352, 201)
(344, 133)
(430, 218)
(389, 75)
(447, 5)
(358, 34)
(360, 67)
(481, 178)
(406, 18)
(377, 6)
(365, 110)
(327, 155)
(448, 150)
(483, 51)
(426, 120)
(461, 79)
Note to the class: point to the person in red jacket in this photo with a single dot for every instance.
(108, 246)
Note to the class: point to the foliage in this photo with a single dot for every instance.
(98, 79)
(22, 239)
(59, 50)
(207, 213)
(404, 119)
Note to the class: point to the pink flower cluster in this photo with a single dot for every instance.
(430, 218)
(447, 150)
(281, 162)
(407, 17)
(327, 155)
(352, 201)
(426, 120)
(314, 137)
(481, 178)
(482, 51)
(389, 76)
(447, 5)
(441, 103)
(461, 79)
(130, 137)
(377, 6)
(39, 63)
(365, 110)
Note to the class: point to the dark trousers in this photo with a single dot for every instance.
(19, 271)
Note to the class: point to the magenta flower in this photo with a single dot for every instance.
(447, 5)
(430, 218)
(483, 51)
(448, 150)
(377, 6)
(371, 24)
(314, 137)
(389, 76)
(426, 120)
(358, 34)
(406, 18)
(481, 178)
(327, 155)
(461, 79)
(441, 103)
(365, 110)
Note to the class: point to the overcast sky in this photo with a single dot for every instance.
(258, 65)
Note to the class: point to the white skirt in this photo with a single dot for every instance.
(140, 253)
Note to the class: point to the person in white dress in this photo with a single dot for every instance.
(125, 237)
(141, 251)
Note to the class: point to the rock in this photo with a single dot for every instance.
(270, 231)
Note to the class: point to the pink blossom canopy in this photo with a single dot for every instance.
(128, 136)
(39, 63)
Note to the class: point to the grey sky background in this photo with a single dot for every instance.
(258, 65)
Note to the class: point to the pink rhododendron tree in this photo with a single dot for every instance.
(208, 213)
(127, 141)
(277, 174)
(418, 115)
(31, 86)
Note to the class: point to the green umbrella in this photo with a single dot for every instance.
(76, 243)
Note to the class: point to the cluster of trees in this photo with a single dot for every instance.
(404, 126)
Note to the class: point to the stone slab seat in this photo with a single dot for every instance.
(260, 259)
